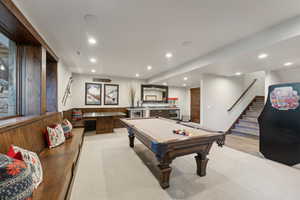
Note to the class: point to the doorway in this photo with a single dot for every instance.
(195, 105)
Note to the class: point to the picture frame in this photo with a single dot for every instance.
(111, 94)
(146, 96)
(93, 94)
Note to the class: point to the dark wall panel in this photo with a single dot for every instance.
(31, 62)
(51, 70)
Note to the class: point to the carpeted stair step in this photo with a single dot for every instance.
(260, 100)
(256, 109)
(258, 104)
(252, 114)
(250, 118)
(243, 122)
(248, 124)
(245, 131)
(244, 126)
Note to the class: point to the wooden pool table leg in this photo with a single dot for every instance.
(131, 137)
(131, 140)
(201, 160)
(165, 171)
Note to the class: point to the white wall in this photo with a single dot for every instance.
(259, 86)
(289, 75)
(282, 76)
(272, 77)
(78, 88)
(63, 76)
(183, 98)
(218, 94)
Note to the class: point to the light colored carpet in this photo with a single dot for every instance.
(109, 170)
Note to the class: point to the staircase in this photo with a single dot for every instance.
(247, 124)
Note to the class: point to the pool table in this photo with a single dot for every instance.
(157, 134)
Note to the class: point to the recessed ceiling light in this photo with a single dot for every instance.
(165, 83)
(288, 64)
(93, 70)
(93, 60)
(262, 56)
(92, 40)
(185, 78)
(184, 85)
(2, 67)
(149, 67)
(238, 73)
(169, 55)
(137, 75)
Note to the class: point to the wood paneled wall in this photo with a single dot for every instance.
(43, 86)
(26, 132)
(38, 81)
(31, 69)
(51, 71)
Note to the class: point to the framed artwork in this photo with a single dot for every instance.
(93, 93)
(111, 94)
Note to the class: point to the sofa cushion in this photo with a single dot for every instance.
(76, 115)
(32, 160)
(16, 179)
(55, 136)
(12, 154)
(67, 127)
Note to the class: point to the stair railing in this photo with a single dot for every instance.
(243, 94)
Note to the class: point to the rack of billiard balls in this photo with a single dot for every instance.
(181, 132)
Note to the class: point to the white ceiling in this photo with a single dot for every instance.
(132, 34)
(278, 54)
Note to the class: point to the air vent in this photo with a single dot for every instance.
(106, 80)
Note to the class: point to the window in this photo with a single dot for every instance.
(8, 91)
